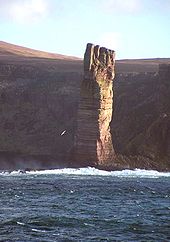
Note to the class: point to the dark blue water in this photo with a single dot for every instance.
(85, 205)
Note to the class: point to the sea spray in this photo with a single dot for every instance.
(90, 171)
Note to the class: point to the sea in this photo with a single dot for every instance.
(85, 204)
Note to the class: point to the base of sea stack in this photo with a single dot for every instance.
(122, 162)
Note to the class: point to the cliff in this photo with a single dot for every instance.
(93, 141)
(39, 99)
(141, 121)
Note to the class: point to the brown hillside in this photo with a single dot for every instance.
(11, 49)
(10, 53)
(18, 55)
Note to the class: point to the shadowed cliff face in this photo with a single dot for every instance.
(157, 138)
(150, 135)
(38, 101)
(136, 107)
(93, 141)
(164, 82)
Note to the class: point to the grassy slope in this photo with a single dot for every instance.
(10, 53)
(11, 49)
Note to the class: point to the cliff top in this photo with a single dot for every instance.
(140, 65)
(14, 54)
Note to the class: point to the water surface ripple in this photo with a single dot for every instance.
(85, 205)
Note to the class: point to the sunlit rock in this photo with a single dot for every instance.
(93, 141)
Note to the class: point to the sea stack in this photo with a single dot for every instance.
(93, 142)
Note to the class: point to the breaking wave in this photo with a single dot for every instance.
(90, 171)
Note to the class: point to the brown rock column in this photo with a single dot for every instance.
(93, 142)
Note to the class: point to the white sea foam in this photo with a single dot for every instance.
(90, 171)
(38, 230)
(19, 223)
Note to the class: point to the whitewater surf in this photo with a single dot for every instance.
(90, 171)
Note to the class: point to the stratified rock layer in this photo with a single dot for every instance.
(152, 142)
(93, 141)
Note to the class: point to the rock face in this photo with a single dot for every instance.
(38, 101)
(93, 141)
(157, 138)
(144, 122)
(136, 107)
(164, 83)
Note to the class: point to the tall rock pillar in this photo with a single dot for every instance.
(93, 141)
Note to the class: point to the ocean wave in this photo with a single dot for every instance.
(90, 171)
